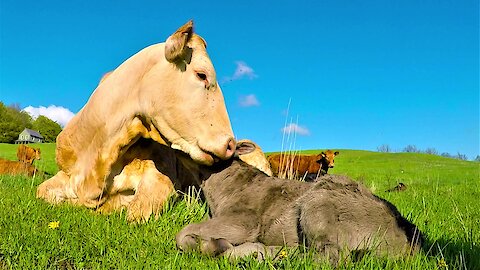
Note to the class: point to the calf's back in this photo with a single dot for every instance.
(332, 214)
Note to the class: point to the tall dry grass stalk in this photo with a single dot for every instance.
(287, 160)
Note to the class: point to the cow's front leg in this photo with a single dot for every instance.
(153, 190)
(214, 236)
(57, 189)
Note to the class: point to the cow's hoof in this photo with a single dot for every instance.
(139, 211)
(54, 189)
(48, 195)
(137, 217)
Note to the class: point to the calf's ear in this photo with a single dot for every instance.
(244, 148)
(323, 154)
(175, 45)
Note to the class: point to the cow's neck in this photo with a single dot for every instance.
(110, 121)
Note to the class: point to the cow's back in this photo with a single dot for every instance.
(22, 153)
(293, 164)
(306, 164)
(283, 164)
(11, 167)
(65, 154)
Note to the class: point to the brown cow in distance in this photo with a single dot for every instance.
(28, 154)
(301, 165)
(12, 167)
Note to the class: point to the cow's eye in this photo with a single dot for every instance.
(201, 76)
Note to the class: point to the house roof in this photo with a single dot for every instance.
(33, 133)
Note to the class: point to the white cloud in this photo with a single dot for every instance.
(242, 70)
(249, 101)
(294, 128)
(58, 114)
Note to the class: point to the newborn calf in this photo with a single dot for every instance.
(252, 212)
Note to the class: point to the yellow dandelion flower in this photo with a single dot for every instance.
(442, 263)
(54, 224)
(283, 254)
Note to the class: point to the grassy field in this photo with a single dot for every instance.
(442, 199)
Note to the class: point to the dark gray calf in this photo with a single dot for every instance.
(250, 210)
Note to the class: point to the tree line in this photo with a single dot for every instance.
(13, 121)
(385, 148)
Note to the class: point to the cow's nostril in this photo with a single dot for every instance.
(230, 150)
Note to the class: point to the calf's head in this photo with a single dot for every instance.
(181, 96)
(250, 153)
(245, 150)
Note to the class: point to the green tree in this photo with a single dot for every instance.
(12, 122)
(47, 127)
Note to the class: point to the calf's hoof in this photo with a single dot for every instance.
(210, 246)
(257, 250)
(187, 242)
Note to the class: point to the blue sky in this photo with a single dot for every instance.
(345, 74)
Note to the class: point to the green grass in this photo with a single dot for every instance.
(442, 199)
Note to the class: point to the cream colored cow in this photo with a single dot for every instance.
(164, 97)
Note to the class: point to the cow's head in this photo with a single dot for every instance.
(38, 153)
(327, 159)
(181, 96)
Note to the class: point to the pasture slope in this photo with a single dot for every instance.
(442, 198)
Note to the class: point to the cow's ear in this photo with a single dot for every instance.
(323, 154)
(336, 153)
(175, 44)
(244, 148)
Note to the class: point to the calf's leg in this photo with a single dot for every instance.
(214, 236)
